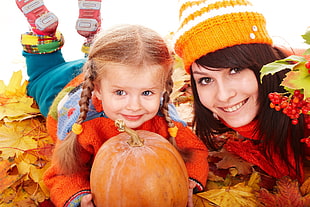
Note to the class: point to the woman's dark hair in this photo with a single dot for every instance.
(270, 122)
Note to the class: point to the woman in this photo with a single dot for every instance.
(224, 45)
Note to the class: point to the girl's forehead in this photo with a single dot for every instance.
(125, 73)
(134, 70)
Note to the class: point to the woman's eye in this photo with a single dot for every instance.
(147, 93)
(120, 92)
(235, 70)
(204, 81)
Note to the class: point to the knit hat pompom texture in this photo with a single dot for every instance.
(210, 25)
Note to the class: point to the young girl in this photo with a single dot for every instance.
(127, 76)
(224, 45)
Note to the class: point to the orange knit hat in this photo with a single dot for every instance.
(210, 25)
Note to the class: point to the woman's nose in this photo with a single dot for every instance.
(225, 91)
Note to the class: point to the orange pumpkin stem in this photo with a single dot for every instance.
(135, 140)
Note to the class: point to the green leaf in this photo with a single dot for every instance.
(306, 37)
(278, 65)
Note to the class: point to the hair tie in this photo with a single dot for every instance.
(173, 131)
(77, 128)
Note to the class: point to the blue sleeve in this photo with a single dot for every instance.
(174, 114)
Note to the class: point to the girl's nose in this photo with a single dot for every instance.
(133, 103)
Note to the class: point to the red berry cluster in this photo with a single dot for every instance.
(306, 141)
(293, 106)
(307, 65)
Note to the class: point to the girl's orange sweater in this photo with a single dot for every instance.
(66, 190)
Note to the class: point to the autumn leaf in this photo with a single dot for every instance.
(229, 160)
(305, 187)
(15, 87)
(25, 142)
(33, 189)
(278, 65)
(14, 102)
(17, 108)
(298, 79)
(18, 198)
(198, 201)
(35, 173)
(6, 180)
(306, 37)
(17, 137)
(179, 77)
(6, 198)
(239, 195)
(287, 193)
(254, 181)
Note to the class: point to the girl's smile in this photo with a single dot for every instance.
(132, 117)
(230, 93)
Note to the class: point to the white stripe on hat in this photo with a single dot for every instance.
(191, 9)
(213, 13)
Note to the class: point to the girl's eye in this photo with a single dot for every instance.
(147, 93)
(235, 70)
(120, 92)
(205, 81)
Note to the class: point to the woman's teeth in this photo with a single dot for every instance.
(234, 108)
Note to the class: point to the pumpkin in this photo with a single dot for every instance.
(138, 168)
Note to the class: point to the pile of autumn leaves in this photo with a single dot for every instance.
(25, 153)
(25, 147)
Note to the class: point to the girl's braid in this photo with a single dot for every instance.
(67, 151)
(166, 100)
(90, 75)
(171, 126)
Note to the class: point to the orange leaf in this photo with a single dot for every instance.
(305, 187)
(7, 180)
(287, 193)
(229, 160)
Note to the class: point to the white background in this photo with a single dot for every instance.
(286, 21)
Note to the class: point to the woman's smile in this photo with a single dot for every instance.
(234, 107)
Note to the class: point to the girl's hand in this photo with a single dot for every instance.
(86, 201)
(192, 185)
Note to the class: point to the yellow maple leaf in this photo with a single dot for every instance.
(17, 109)
(198, 201)
(239, 195)
(15, 87)
(14, 102)
(17, 137)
